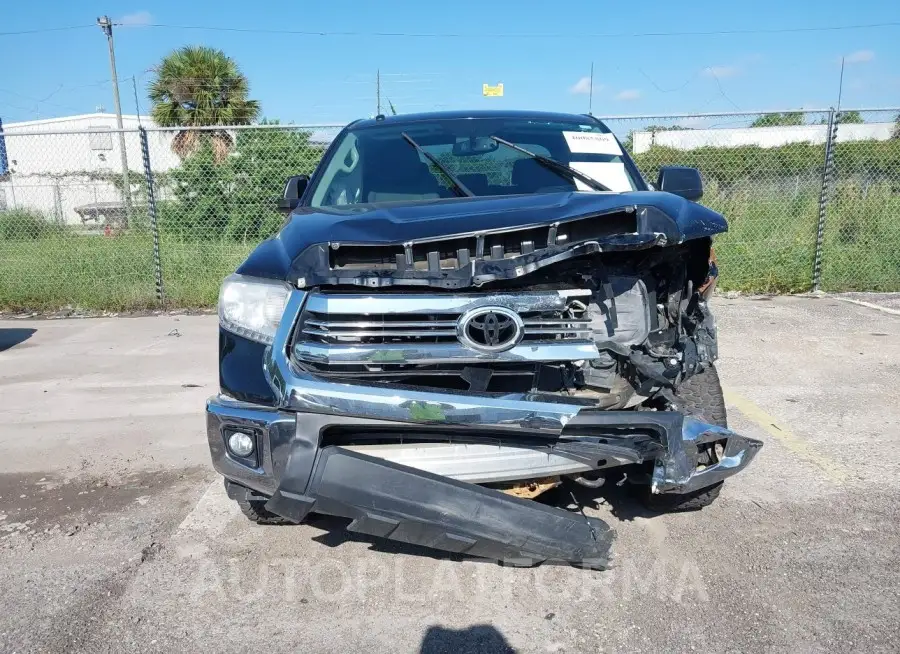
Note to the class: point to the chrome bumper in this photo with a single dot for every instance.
(307, 405)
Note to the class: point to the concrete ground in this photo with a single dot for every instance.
(116, 536)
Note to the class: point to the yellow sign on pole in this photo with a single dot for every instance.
(489, 91)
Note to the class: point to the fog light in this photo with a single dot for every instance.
(240, 444)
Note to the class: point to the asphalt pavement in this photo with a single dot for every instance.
(116, 535)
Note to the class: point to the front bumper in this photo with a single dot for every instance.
(419, 492)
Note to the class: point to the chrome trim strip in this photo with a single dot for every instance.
(365, 324)
(436, 353)
(388, 325)
(545, 323)
(557, 331)
(390, 333)
(424, 304)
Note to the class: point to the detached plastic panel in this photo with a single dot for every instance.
(405, 504)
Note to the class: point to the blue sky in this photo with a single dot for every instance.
(330, 79)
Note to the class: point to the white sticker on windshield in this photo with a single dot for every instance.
(609, 173)
(592, 142)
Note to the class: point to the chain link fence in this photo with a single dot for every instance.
(72, 234)
(812, 199)
(73, 229)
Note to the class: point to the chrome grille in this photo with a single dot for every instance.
(389, 331)
(435, 331)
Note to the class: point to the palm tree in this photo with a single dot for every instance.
(197, 86)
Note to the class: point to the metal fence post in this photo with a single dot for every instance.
(824, 196)
(151, 212)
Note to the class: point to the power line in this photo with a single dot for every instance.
(722, 92)
(570, 35)
(461, 35)
(38, 101)
(671, 90)
(41, 30)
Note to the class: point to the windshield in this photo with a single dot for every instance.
(377, 164)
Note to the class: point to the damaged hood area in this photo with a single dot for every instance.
(462, 242)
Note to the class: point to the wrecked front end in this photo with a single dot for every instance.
(409, 382)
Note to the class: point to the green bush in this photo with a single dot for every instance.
(876, 159)
(26, 225)
(234, 198)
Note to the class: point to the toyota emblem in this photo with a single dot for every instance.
(490, 329)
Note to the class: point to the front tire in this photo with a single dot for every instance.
(701, 396)
(255, 510)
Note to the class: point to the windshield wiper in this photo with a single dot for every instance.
(556, 166)
(458, 187)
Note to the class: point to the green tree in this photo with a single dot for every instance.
(197, 86)
(846, 118)
(779, 119)
(850, 117)
(665, 128)
(235, 198)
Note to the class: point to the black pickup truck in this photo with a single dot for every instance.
(461, 310)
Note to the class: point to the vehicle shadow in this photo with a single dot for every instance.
(12, 336)
(477, 639)
(621, 500)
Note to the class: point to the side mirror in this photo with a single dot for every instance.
(293, 191)
(680, 180)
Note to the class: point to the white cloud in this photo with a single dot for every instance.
(859, 57)
(722, 72)
(136, 19)
(628, 94)
(581, 87)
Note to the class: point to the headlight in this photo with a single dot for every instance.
(252, 307)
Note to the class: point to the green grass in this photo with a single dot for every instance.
(90, 272)
(862, 241)
(761, 254)
(193, 271)
(770, 247)
(770, 244)
(112, 273)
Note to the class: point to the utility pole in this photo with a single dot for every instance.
(591, 92)
(840, 87)
(106, 25)
(137, 105)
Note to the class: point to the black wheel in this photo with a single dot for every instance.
(255, 510)
(700, 396)
(672, 502)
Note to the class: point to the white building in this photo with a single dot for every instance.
(58, 165)
(764, 137)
